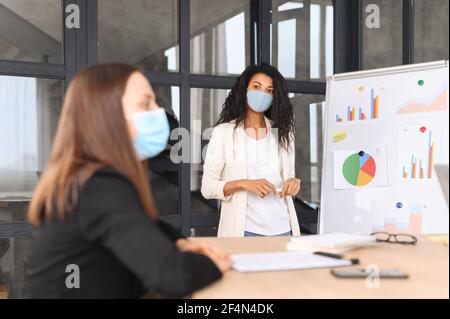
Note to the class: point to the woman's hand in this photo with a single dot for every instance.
(290, 187)
(261, 187)
(221, 259)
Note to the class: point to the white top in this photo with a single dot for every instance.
(225, 162)
(269, 215)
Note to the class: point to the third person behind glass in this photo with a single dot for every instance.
(250, 161)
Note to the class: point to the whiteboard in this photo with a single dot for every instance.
(384, 131)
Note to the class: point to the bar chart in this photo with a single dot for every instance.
(418, 168)
(403, 219)
(418, 147)
(367, 108)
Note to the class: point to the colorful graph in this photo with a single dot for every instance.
(422, 155)
(353, 169)
(358, 114)
(404, 219)
(359, 169)
(437, 103)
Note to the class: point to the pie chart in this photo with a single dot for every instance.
(359, 169)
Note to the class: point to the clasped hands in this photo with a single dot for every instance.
(262, 187)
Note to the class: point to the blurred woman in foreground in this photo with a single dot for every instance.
(97, 232)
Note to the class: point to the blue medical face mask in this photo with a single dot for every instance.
(152, 132)
(259, 101)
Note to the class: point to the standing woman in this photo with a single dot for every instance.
(250, 161)
(97, 231)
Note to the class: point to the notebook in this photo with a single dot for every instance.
(277, 261)
(332, 242)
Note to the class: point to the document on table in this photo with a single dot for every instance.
(331, 242)
(289, 260)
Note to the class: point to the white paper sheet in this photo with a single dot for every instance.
(283, 261)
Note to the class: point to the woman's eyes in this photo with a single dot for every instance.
(257, 87)
(145, 105)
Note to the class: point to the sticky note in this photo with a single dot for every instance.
(339, 136)
(442, 238)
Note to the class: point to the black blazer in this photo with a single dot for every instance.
(120, 252)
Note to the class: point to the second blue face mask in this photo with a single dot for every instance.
(152, 132)
(259, 101)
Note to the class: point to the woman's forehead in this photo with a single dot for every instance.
(139, 80)
(262, 79)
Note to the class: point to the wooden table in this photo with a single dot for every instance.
(426, 263)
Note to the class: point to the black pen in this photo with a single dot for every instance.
(331, 255)
(354, 261)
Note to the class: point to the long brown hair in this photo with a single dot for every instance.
(92, 133)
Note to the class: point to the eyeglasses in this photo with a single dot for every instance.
(405, 239)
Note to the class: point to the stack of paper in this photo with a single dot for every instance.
(332, 242)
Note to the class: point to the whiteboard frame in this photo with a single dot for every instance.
(354, 75)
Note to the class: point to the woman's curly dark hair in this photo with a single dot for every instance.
(280, 113)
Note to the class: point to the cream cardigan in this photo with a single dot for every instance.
(226, 160)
